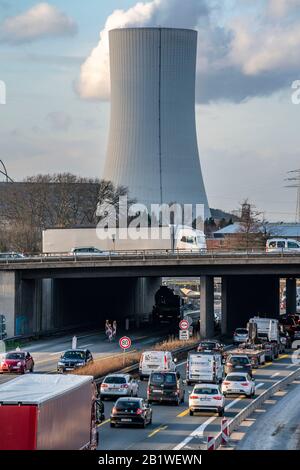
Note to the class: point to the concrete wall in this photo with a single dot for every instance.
(7, 300)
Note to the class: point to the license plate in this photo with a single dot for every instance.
(126, 420)
(235, 390)
(157, 391)
(69, 368)
(238, 367)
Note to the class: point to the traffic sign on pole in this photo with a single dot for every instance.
(184, 335)
(125, 342)
(184, 325)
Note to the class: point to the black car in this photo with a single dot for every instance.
(165, 387)
(210, 345)
(131, 411)
(238, 364)
(73, 359)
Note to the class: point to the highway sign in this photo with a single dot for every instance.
(125, 342)
(184, 335)
(184, 325)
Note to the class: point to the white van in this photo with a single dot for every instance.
(153, 361)
(204, 367)
(279, 245)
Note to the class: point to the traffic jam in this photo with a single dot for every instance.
(211, 374)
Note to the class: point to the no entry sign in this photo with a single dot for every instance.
(184, 325)
(125, 342)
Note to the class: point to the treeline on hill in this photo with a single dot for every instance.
(43, 201)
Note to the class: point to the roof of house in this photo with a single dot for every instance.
(280, 229)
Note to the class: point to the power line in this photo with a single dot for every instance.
(4, 172)
(295, 180)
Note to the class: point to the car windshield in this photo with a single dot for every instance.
(158, 378)
(128, 405)
(241, 331)
(239, 360)
(207, 345)
(236, 378)
(115, 380)
(74, 355)
(206, 391)
(17, 355)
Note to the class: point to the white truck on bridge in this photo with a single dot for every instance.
(169, 238)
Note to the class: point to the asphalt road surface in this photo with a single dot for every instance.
(173, 427)
(46, 352)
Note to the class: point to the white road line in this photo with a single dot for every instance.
(200, 430)
(275, 375)
(56, 353)
(85, 345)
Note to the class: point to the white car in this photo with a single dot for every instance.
(239, 383)
(240, 335)
(207, 397)
(88, 251)
(119, 385)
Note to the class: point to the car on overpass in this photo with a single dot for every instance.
(131, 411)
(280, 245)
(16, 362)
(73, 359)
(11, 255)
(88, 251)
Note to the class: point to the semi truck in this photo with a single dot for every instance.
(168, 306)
(48, 412)
(169, 238)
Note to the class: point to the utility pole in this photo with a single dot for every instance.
(4, 172)
(295, 183)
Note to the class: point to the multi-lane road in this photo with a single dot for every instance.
(174, 428)
(46, 352)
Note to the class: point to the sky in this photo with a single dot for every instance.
(54, 63)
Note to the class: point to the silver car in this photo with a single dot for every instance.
(119, 385)
(240, 335)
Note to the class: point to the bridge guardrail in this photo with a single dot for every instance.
(146, 255)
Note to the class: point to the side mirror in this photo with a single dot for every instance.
(184, 382)
(175, 360)
(178, 375)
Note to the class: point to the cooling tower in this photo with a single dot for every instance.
(152, 146)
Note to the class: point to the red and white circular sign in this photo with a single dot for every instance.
(125, 342)
(184, 325)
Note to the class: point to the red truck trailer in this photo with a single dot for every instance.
(47, 412)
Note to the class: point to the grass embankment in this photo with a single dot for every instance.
(103, 366)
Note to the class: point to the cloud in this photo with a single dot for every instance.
(59, 121)
(42, 20)
(240, 56)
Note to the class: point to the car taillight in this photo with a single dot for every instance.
(229, 364)
(114, 410)
(244, 384)
(226, 383)
(217, 397)
(124, 386)
(194, 397)
(139, 411)
(104, 385)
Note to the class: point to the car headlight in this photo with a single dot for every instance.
(19, 364)
(60, 364)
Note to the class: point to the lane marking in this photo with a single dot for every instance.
(161, 428)
(86, 345)
(104, 422)
(198, 432)
(275, 375)
(183, 413)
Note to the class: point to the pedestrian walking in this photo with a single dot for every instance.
(114, 329)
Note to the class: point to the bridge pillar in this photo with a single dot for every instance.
(245, 296)
(8, 291)
(291, 294)
(206, 306)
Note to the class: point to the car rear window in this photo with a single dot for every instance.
(115, 380)
(236, 378)
(15, 356)
(128, 405)
(239, 360)
(241, 331)
(206, 391)
(207, 345)
(158, 378)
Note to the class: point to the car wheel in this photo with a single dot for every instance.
(150, 420)
(131, 393)
(31, 370)
(188, 382)
(143, 425)
(191, 413)
(221, 413)
(112, 425)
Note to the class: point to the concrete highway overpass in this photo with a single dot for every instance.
(43, 293)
